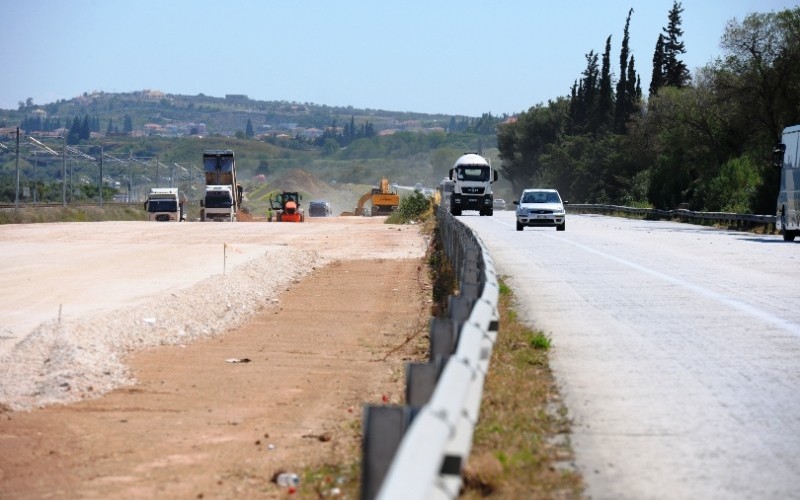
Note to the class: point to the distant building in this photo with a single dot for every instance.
(311, 133)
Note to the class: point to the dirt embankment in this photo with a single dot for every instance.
(214, 413)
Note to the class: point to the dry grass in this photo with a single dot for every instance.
(521, 443)
(71, 213)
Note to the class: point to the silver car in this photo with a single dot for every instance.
(541, 207)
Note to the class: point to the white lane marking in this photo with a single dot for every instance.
(761, 314)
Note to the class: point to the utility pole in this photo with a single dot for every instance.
(101, 174)
(16, 195)
(64, 172)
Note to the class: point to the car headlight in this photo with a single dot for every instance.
(559, 211)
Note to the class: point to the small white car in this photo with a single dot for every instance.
(541, 207)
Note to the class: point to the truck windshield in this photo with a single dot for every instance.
(478, 173)
(218, 199)
(162, 206)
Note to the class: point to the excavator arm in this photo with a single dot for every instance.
(361, 202)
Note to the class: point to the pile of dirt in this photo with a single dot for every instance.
(301, 181)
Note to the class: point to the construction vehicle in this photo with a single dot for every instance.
(218, 204)
(222, 199)
(286, 207)
(319, 208)
(786, 156)
(383, 199)
(472, 177)
(165, 205)
(444, 191)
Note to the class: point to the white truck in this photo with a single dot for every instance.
(787, 156)
(165, 205)
(472, 177)
(218, 204)
(223, 195)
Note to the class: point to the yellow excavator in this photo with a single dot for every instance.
(384, 201)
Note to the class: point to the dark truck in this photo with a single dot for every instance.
(319, 208)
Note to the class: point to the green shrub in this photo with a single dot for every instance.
(413, 208)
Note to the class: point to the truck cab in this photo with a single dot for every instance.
(218, 204)
(165, 205)
(472, 177)
(319, 208)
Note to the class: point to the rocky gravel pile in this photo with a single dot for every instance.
(65, 361)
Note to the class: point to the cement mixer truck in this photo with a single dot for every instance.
(472, 177)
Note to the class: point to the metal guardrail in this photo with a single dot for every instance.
(739, 220)
(418, 451)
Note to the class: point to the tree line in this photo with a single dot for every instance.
(702, 141)
(78, 129)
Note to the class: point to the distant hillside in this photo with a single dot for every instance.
(175, 114)
(148, 138)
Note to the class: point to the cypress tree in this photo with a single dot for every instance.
(248, 131)
(658, 79)
(675, 71)
(605, 99)
(74, 134)
(85, 131)
(623, 94)
(584, 96)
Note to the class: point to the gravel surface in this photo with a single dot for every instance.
(81, 296)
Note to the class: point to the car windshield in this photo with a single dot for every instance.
(540, 197)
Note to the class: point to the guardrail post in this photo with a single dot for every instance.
(444, 337)
(382, 430)
(459, 307)
(421, 380)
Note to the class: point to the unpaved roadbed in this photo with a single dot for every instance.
(320, 340)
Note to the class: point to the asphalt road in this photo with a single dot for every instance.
(676, 347)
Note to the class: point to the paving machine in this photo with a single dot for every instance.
(286, 207)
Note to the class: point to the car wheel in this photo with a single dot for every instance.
(788, 235)
(519, 226)
(561, 226)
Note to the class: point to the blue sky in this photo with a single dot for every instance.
(463, 57)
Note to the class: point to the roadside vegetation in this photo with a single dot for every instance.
(33, 214)
(414, 208)
(702, 141)
(521, 445)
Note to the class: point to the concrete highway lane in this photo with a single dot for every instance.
(676, 348)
